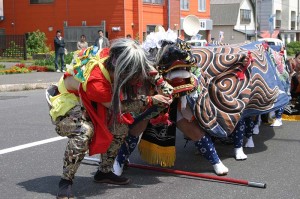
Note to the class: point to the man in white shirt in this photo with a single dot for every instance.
(101, 41)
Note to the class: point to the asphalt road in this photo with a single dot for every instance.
(34, 172)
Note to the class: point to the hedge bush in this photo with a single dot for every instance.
(36, 43)
(292, 48)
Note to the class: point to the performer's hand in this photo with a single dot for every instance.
(161, 100)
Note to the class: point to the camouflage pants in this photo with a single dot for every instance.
(119, 132)
(80, 132)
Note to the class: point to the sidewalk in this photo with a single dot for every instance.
(28, 81)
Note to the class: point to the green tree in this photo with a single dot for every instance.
(293, 48)
(36, 43)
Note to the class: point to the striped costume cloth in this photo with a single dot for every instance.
(231, 90)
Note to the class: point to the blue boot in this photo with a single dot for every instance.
(126, 149)
(238, 140)
(207, 149)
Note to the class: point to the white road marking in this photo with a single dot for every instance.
(24, 146)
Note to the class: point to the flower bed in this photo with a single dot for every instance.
(38, 68)
(22, 68)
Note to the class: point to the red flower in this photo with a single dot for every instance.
(20, 65)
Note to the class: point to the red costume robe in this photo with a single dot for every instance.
(98, 90)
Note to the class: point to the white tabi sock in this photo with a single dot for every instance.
(249, 142)
(239, 154)
(220, 169)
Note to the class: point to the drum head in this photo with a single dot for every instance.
(191, 25)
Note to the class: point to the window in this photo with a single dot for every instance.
(245, 16)
(184, 4)
(150, 28)
(201, 5)
(41, 1)
(158, 1)
(154, 1)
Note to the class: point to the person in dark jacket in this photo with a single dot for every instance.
(101, 42)
(59, 45)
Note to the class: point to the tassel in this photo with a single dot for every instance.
(241, 74)
(155, 154)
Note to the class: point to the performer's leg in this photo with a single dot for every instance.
(203, 143)
(238, 136)
(249, 128)
(278, 119)
(128, 146)
(207, 149)
(76, 149)
(257, 123)
(79, 132)
(126, 149)
(104, 173)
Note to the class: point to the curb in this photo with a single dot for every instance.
(22, 87)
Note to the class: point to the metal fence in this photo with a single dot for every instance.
(13, 46)
(72, 35)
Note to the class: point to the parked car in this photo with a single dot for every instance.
(272, 41)
(197, 43)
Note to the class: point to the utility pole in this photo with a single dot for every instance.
(298, 21)
(298, 17)
(256, 19)
(246, 38)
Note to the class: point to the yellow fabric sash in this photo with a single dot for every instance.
(90, 66)
(65, 101)
(62, 102)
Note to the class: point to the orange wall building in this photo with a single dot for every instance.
(120, 17)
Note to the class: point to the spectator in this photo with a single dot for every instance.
(295, 75)
(101, 42)
(128, 36)
(59, 46)
(82, 44)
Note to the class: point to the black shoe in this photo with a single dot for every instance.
(65, 189)
(110, 178)
(126, 163)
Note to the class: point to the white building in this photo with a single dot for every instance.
(235, 18)
(279, 18)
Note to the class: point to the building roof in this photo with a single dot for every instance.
(248, 32)
(225, 2)
(224, 14)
